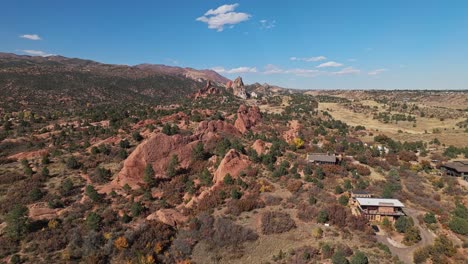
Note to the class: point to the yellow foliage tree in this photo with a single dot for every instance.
(158, 248)
(298, 142)
(52, 224)
(121, 243)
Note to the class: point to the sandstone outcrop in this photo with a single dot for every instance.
(214, 128)
(170, 217)
(238, 88)
(247, 118)
(293, 132)
(29, 155)
(209, 89)
(232, 163)
(157, 151)
(261, 147)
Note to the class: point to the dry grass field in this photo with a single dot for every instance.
(449, 134)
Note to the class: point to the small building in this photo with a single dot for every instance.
(358, 194)
(322, 158)
(376, 209)
(457, 168)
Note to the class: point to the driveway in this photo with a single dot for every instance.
(405, 253)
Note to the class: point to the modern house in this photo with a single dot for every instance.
(457, 168)
(376, 209)
(322, 158)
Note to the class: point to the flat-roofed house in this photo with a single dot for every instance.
(379, 208)
(458, 168)
(322, 158)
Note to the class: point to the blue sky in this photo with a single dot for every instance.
(331, 44)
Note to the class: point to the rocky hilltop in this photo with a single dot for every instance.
(38, 83)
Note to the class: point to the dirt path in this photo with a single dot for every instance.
(403, 252)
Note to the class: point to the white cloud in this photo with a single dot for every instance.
(346, 71)
(272, 69)
(235, 70)
(318, 58)
(37, 53)
(267, 24)
(31, 36)
(377, 72)
(221, 10)
(330, 64)
(223, 15)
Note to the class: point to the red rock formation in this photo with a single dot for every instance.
(29, 155)
(238, 88)
(232, 163)
(210, 129)
(207, 90)
(293, 132)
(175, 117)
(156, 150)
(168, 216)
(40, 211)
(261, 147)
(247, 118)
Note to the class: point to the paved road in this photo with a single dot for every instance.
(406, 253)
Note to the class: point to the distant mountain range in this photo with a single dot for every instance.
(32, 82)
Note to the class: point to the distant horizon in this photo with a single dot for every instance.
(251, 83)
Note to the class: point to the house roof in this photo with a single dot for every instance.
(360, 192)
(380, 202)
(321, 157)
(458, 165)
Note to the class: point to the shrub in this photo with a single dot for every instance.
(429, 218)
(359, 258)
(149, 175)
(420, 255)
(17, 222)
(92, 193)
(93, 221)
(121, 243)
(36, 194)
(343, 200)
(339, 258)
(276, 222)
(228, 180)
(317, 232)
(403, 224)
(137, 136)
(412, 236)
(198, 152)
(173, 166)
(236, 207)
(72, 163)
(322, 217)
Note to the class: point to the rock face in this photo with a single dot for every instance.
(238, 88)
(29, 155)
(157, 151)
(40, 211)
(247, 118)
(261, 147)
(210, 129)
(293, 132)
(232, 163)
(207, 90)
(168, 216)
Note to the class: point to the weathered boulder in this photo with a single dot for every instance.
(247, 118)
(170, 217)
(232, 163)
(261, 147)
